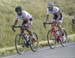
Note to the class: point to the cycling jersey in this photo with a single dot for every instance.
(24, 15)
(54, 12)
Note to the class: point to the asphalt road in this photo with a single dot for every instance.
(59, 52)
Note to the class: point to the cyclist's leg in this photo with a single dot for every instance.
(52, 29)
(22, 29)
(29, 25)
(61, 29)
(26, 27)
(31, 33)
(59, 24)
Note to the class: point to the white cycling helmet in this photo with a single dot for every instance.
(50, 4)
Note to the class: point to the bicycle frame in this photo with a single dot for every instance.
(54, 35)
(53, 29)
(28, 40)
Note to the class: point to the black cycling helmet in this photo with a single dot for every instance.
(18, 8)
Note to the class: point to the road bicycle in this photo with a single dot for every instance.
(55, 36)
(25, 40)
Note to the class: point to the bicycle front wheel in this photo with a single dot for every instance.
(19, 44)
(51, 39)
(34, 42)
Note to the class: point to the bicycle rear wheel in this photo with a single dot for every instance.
(51, 39)
(34, 42)
(64, 39)
(65, 35)
(19, 44)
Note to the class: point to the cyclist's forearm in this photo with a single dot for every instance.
(47, 16)
(15, 22)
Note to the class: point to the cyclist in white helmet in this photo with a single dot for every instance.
(57, 15)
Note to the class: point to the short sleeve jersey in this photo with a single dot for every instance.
(23, 16)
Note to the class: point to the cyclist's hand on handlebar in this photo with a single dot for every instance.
(13, 28)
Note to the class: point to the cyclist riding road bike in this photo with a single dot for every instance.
(25, 17)
(57, 15)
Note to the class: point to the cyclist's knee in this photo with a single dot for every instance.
(60, 27)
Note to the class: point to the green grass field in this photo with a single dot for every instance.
(38, 9)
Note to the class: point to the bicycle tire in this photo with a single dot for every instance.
(34, 48)
(53, 39)
(64, 42)
(65, 35)
(19, 41)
